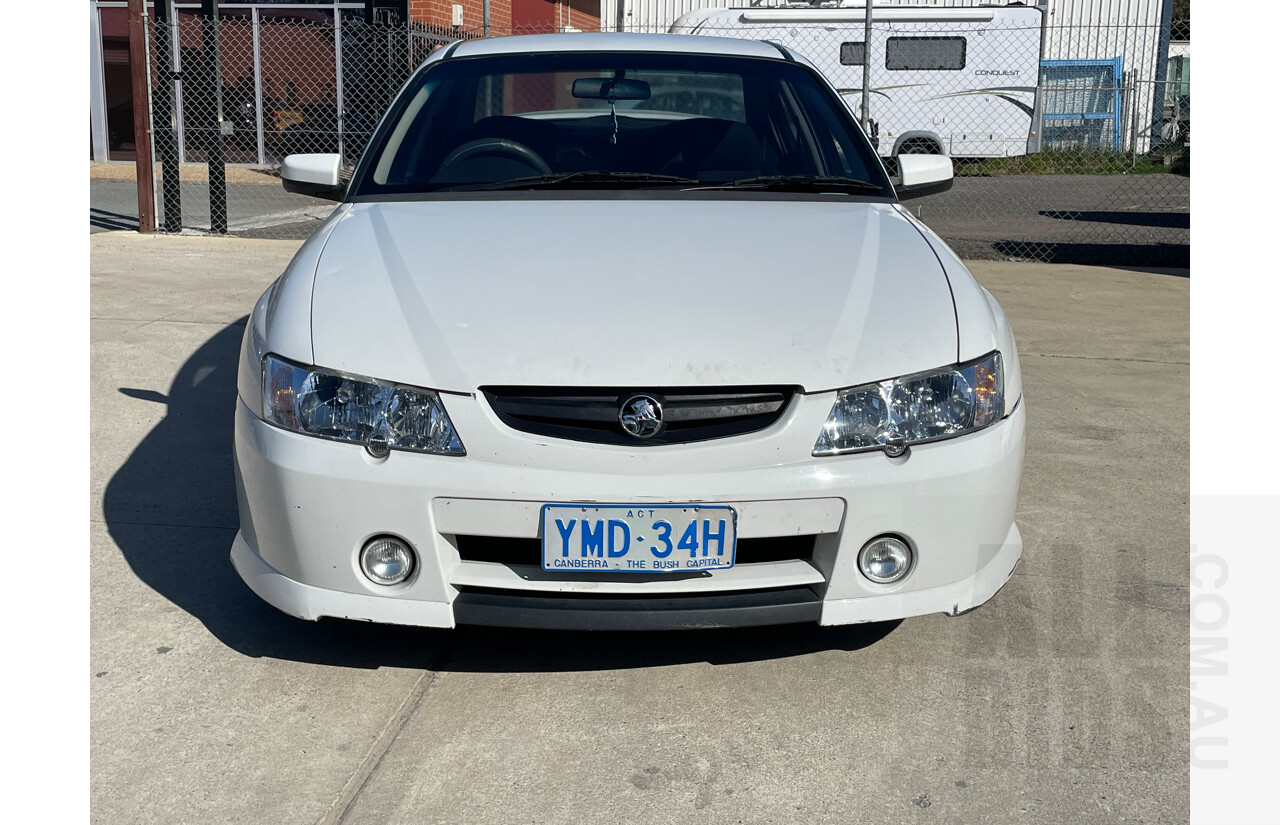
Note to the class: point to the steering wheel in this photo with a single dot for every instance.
(498, 146)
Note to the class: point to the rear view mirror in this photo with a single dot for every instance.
(924, 175)
(317, 176)
(602, 88)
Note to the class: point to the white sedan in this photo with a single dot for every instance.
(625, 332)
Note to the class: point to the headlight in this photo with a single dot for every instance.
(893, 415)
(358, 410)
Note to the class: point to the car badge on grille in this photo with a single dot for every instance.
(641, 416)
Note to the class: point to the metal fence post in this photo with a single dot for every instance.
(179, 124)
(866, 70)
(1133, 127)
(257, 84)
(216, 150)
(164, 119)
(141, 117)
(1126, 99)
(98, 129)
(337, 67)
(486, 18)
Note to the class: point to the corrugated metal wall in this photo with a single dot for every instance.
(1077, 30)
(1106, 29)
(655, 15)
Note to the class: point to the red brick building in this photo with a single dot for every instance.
(283, 61)
(506, 16)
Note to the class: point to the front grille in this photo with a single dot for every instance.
(529, 551)
(591, 414)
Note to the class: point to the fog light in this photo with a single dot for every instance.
(885, 560)
(386, 560)
(379, 446)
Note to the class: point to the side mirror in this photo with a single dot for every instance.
(315, 175)
(924, 175)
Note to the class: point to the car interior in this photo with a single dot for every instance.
(703, 148)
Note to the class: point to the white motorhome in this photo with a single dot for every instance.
(953, 81)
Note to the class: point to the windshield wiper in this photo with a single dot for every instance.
(600, 177)
(801, 183)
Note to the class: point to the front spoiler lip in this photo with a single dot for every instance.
(593, 612)
(755, 608)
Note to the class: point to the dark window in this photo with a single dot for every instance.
(920, 53)
(486, 121)
(853, 54)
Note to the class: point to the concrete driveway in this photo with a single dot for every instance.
(1062, 700)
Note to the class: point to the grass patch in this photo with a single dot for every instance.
(1065, 162)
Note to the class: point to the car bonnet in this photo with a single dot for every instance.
(459, 294)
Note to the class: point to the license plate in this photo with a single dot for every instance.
(668, 538)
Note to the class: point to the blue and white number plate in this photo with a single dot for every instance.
(657, 538)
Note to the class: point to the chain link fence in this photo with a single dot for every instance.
(290, 82)
(1082, 155)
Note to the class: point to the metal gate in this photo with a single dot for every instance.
(1082, 107)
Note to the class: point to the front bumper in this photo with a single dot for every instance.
(307, 506)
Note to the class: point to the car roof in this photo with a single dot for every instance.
(618, 42)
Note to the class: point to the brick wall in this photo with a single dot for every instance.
(583, 15)
(439, 15)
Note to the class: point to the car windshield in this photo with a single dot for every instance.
(629, 120)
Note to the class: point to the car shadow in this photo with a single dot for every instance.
(171, 510)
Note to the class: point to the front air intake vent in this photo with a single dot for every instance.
(529, 551)
(595, 414)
